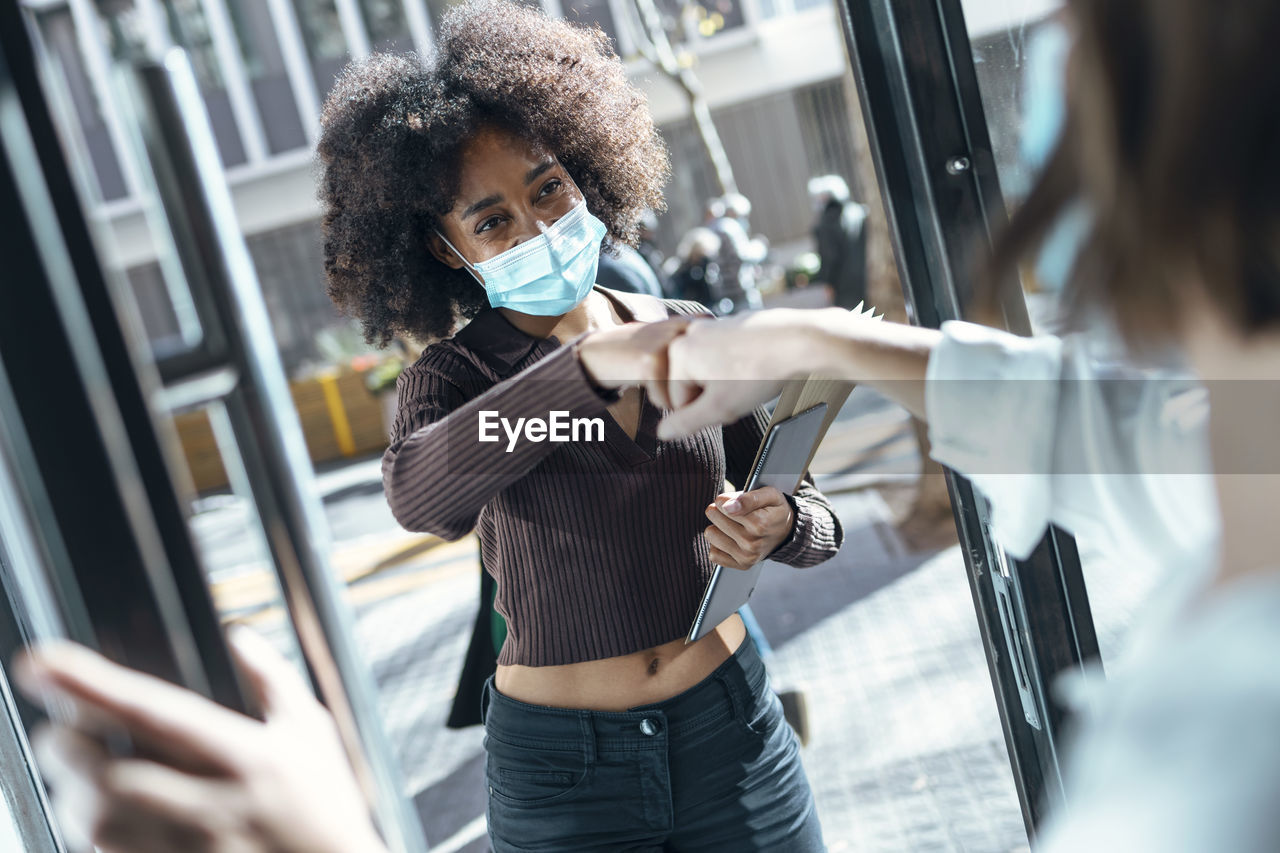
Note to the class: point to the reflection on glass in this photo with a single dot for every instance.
(265, 68)
(1019, 51)
(1014, 59)
(1006, 38)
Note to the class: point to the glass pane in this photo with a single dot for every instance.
(58, 34)
(264, 66)
(189, 28)
(322, 34)
(1020, 49)
(905, 750)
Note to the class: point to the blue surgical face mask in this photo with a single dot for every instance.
(1044, 107)
(549, 274)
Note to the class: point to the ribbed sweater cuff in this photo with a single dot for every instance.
(606, 396)
(814, 536)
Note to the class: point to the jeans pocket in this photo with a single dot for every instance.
(532, 776)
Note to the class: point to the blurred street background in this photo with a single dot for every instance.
(905, 750)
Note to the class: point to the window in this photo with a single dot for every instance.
(326, 44)
(59, 35)
(264, 66)
(189, 28)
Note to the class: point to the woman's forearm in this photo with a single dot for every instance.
(440, 475)
(890, 357)
(719, 371)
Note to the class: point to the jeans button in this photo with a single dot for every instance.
(648, 727)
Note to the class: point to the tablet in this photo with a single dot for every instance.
(785, 452)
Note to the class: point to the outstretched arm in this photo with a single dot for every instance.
(718, 372)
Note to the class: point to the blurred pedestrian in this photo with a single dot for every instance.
(738, 258)
(840, 233)
(696, 275)
(651, 252)
(624, 268)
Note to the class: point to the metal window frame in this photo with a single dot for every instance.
(231, 58)
(419, 21)
(104, 485)
(297, 66)
(96, 447)
(913, 65)
(351, 19)
(26, 611)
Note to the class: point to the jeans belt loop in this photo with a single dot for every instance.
(736, 699)
(586, 720)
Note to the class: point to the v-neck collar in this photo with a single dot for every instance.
(644, 447)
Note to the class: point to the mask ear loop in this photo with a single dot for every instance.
(465, 262)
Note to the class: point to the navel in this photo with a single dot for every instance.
(653, 666)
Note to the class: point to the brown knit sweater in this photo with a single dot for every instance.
(596, 547)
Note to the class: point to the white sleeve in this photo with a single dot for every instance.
(1181, 752)
(1116, 456)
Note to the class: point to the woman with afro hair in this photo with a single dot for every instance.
(467, 196)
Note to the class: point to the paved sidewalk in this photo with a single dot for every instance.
(905, 753)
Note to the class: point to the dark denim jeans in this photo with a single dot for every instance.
(713, 769)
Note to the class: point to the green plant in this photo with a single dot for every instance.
(383, 376)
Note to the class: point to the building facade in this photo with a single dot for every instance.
(773, 70)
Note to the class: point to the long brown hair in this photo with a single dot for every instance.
(1172, 140)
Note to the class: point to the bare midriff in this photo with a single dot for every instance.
(616, 684)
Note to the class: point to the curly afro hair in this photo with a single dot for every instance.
(393, 130)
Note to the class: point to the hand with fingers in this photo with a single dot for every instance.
(746, 527)
(212, 781)
(718, 371)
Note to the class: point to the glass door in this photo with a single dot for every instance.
(931, 138)
(94, 501)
